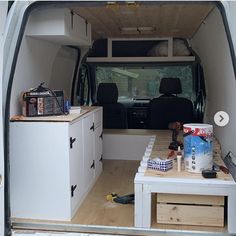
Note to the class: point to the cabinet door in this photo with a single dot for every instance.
(98, 150)
(89, 161)
(76, 164)
(98, 117)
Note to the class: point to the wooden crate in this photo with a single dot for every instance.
(190, 209)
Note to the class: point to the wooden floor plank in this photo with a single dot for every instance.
(118, 176)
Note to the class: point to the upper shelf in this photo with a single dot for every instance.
(142, 50)
(140, 59)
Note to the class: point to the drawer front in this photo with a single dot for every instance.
(98, 118)
(190, 209)
(98, 142)
(190, 215)
(76, 164)
(98, 150)
(89, 157)
(190, 199)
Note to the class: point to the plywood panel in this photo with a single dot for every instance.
(190, 199)
(168, 20)
(190, 215)
(117, 176)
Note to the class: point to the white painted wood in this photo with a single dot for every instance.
(98, 117)
(88, 137)
(98, 150)
(231, 213)
(138, 208)
(45, 166)
(76, 165)
(124, 147)
(212, 187)
(60, 26)
(40, 180)
(146, 206)
(141, 59)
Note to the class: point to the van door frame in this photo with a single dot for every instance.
(3, 14)
(80, 228)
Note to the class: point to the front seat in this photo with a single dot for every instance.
(168, 107)
(114, 113)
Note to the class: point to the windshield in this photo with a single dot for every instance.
(143, 82)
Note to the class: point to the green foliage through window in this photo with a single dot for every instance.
(143, 82)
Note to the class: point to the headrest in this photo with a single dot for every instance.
(107, 93)
(170, 86)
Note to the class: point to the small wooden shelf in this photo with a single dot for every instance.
(140, 59)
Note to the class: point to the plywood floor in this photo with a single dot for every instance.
(117, 176)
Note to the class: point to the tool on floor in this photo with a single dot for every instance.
(217, 168)
(126, 199)
(175, 127)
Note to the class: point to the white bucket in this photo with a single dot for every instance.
(198, 151)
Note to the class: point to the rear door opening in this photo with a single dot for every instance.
(47, 55)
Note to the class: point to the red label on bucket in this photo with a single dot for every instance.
(198, 131)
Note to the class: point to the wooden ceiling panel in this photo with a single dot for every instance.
(167, 20)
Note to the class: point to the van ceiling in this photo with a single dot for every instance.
(162, 20)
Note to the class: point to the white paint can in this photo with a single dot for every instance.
(198, 147)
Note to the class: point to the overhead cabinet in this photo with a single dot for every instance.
(61, 26)
(54, 166)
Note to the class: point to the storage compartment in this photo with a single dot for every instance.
(190, 209)
(53, 168)
(61, 26)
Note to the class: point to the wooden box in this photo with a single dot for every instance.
(190, 209)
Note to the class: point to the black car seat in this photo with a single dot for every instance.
(168, 107)
(114, 113)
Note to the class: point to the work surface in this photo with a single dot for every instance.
(160, 149)
(174, 182)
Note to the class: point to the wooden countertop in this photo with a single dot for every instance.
(60, 118)
(160, 149)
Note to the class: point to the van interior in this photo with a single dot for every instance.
(147, 64)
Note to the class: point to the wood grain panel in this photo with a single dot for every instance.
(190, 215)
(173, 20)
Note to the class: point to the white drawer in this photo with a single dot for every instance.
(98, 118)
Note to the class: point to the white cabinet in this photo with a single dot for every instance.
(61, 26)
(76, 165)
(89, 165)
(53, 166)
(98, 138)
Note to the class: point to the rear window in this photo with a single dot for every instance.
(143, 82)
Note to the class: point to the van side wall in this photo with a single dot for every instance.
(41, 61)
(211, 44)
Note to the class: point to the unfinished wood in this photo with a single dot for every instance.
(168, 20)
(141, 59)
(190, 215)
(190, 199)
(179, 227)
(117, 177)
(59, 118)
(160, 149)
